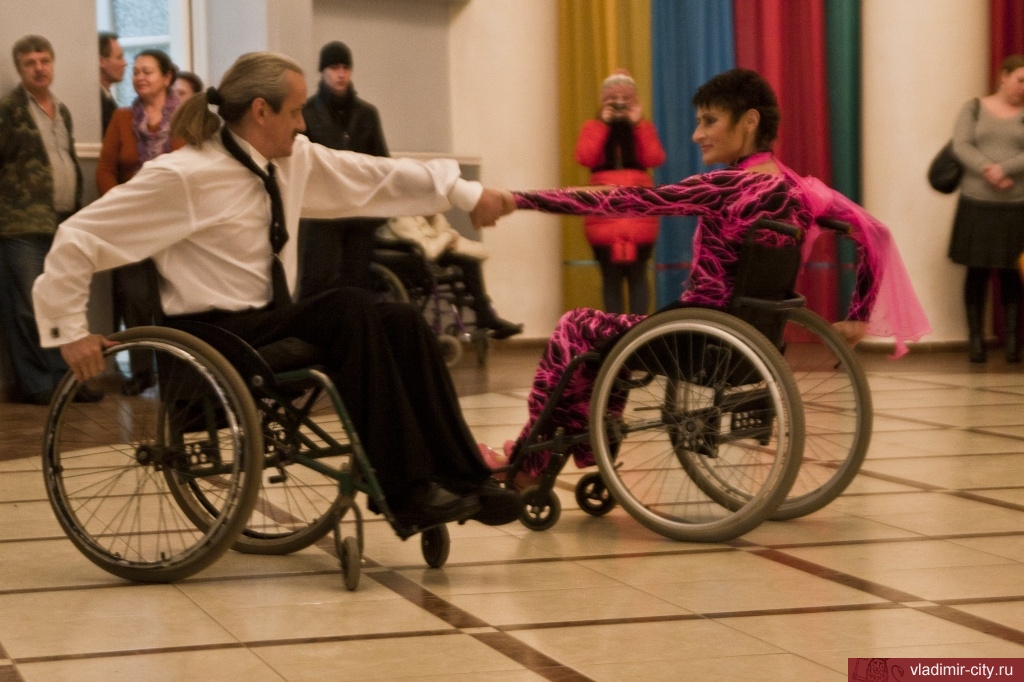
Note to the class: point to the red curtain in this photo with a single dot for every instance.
(784, 41)
(1007, 31)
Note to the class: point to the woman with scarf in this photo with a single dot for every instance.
(737, 121)
(137, 134)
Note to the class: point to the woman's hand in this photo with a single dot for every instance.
(635, 113)
(852, 330)
(85, 356)
(994, 175)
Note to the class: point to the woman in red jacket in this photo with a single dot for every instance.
(618, 147)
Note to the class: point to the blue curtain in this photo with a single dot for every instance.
(691, 41)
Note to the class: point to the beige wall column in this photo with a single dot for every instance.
(922, 59)
(504, 71)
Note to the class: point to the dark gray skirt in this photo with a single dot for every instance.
(987, 234)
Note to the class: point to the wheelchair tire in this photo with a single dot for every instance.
(693, 408)
(436, 545)
(837, 412)
(351, 561)
(541, 508)
(107, 465)
(593, 496)
(387, 285)
(296, 505)
(451, 349)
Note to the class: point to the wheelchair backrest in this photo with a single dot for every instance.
(766, 274)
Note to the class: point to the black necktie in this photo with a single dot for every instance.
(278, 232)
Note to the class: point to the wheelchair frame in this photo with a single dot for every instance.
(161, 486)
(439, 294)
(835, 418)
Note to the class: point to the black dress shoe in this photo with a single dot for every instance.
(502, 329)
(498, 505)
(436, 506)
(87, 394)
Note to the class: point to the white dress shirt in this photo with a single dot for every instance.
(204, 219)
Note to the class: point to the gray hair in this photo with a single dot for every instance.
(253, 75)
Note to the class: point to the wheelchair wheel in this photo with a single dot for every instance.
(541, 508)
(351, 560)
(593, 496)
(387, 285)
(296, 505)
(108, 465)
(436, 544)
(696, 425)
(837, 412)
(451, 349)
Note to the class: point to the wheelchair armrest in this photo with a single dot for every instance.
(795, 301)
(839, 226)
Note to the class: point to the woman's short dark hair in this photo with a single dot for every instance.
(193, 80)
(1012, 63)
(738, 91)
(163, 61)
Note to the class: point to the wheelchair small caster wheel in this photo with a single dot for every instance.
(541, 508)
(593, 495)
(351, 561)
(435, 543)
(451, 349)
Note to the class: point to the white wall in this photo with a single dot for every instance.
(504, 65)
(922, 59)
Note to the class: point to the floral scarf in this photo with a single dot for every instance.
(152, 143)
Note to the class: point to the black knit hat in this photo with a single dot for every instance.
(333, 53)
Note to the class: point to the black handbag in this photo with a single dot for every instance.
(945, 171)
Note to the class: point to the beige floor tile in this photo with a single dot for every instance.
(490, 400)
(930, 397)
(301, 607)
(957, 473)
(963, 416)
(48, 564)
(557, 606)
(865, 484)
(1011, 547)
(954, 582)
(21, 486)
(490, 416)
(33, 463)
(821, 528)
(890, 421)
(687, 568)
(627, 643)
(231, 665)
(949, 442)
(921, 502)
(790, 591)
(972, 379)
(732, 668)
(443, 657)
(28, 520)
(977, 519)
(104, 620)
(1009, 614)
(856, 560)
(509, 578)
(806, 633)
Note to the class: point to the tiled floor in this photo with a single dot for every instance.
(923, 556)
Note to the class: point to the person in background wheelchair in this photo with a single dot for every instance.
(442, 244)
(737, 121)
(204, 214)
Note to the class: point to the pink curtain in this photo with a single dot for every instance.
(784, 41)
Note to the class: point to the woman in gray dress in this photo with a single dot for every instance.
(988, 231)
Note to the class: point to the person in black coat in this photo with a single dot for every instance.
(337, 252)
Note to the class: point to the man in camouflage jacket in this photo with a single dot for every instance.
(37, 192)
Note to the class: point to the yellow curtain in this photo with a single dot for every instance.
(595, 38)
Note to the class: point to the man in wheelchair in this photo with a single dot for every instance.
(216, 217)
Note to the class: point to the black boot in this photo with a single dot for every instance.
(975, 326)
(1010, 312)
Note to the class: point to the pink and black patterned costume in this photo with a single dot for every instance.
(727, 202)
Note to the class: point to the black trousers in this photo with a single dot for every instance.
(387, 367)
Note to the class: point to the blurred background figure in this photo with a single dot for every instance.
(112, 66)
(186, 85)
(619, 146)
(988, 230)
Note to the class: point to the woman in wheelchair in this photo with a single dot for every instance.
(737, 121)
